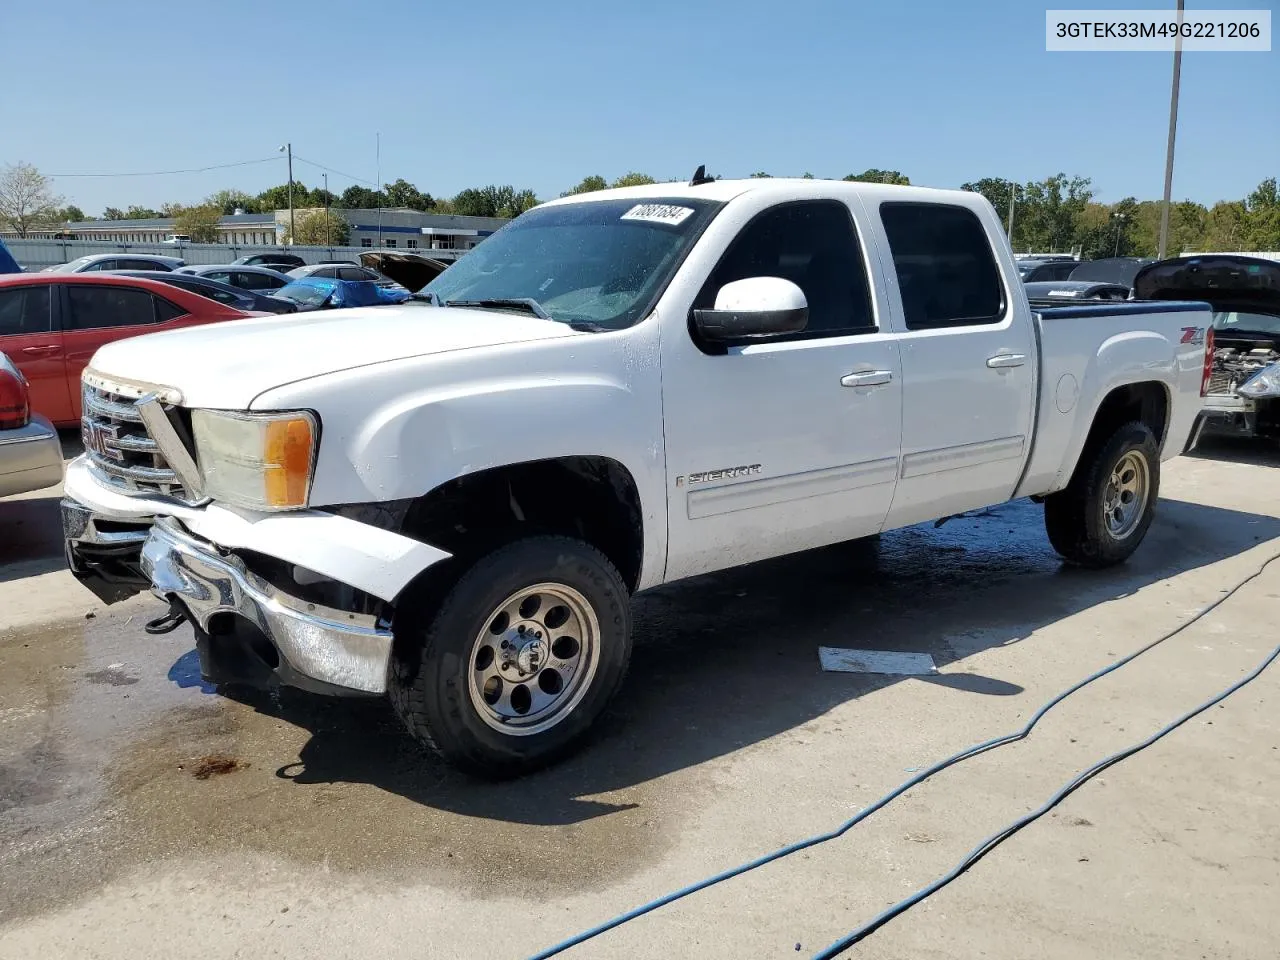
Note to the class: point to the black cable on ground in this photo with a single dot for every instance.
(898, 791)
(1000, 836)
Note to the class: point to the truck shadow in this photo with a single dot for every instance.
(1259, 453)
(729, 660)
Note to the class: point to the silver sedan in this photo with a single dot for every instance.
(30, 454)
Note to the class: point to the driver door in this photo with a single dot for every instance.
(790, 443)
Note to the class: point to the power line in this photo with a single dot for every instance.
(162, 173)
(332, 170)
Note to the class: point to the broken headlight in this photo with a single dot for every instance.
(1265, 383)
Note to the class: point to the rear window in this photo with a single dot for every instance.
(946, 270)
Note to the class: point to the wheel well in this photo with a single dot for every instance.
(1145, 402)
(593, 499)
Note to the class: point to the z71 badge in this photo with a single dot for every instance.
(724, 473)
(1193, 335)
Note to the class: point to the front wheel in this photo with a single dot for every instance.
(1104, 513)
(522, 656)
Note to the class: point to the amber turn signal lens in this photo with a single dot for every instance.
(287, 452)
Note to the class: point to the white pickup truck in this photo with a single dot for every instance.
(451, 501)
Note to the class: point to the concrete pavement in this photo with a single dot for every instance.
(331, 835)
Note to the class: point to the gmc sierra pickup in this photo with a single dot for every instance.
(451, 501)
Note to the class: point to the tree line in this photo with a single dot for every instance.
(1056, 214)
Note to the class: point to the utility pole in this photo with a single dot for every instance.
(288, 147)
(326, 209)
(1119, 227)
(1173, 131)
(378, 157)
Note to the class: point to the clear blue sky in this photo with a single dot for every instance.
(540, 94)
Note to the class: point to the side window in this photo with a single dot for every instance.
(222, 276)
(329, 273)
(24, 310)
(254, 281)
(356, 273)
(812, 243)
(90, 308)
(946, 271)
(168, 311)
(142, 265)
(100, 265)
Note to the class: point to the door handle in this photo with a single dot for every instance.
(868, 378)
(1002, 361)
(40, 351)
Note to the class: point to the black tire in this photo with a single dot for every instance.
(430, 676)
(1075, 518)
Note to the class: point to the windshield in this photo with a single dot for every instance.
(602, 262)
(1266, 324)
(312, 294)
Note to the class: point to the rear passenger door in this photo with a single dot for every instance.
(30, 339)
(93, 316)
(968, 362)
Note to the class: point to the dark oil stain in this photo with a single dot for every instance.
(215, 765)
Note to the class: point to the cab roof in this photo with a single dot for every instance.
(782, 187)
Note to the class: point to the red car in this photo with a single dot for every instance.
(51, 324)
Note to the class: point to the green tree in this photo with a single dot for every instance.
(321, 228)
(69, 214)
(634, 179)
(761, 175)
(362, 198)
(998, 191)
(277, 197)
(588, 185)
(26, 198)
(402, 193)
(228, 201)
(1049, 211)
(1225, 226)
(113, 213)
(1262, 218)
(199, 223)
(875, 175)
(493, 201)
(145, 213)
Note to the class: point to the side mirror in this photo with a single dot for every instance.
(753, 308)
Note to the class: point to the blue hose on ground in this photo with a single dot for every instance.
(1000, 836)
(919, 778)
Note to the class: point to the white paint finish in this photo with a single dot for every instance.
(750, 494)
(215, 370)
(779, 405)
(891, 662)
(1068, 393)
(411, 425)
(376, 561)
(410, 397)
(760, 294)
(988, 452)
(1103, 353)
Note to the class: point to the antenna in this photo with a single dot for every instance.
(700, 176)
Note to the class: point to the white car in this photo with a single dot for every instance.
(451, 501)
(30, 454)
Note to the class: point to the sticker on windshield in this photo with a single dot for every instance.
(666, 213)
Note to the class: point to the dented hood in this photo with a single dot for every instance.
(1226, 283)
(412, 271)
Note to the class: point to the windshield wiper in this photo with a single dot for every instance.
(427, 297)
(528, 304)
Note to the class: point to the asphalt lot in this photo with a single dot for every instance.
(329, 834)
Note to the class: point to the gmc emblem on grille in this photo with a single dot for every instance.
(96, 436)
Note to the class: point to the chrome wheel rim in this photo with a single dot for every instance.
(534, 659)
(1125, 499)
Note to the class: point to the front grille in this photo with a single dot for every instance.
(1221, 382)
(121, 450)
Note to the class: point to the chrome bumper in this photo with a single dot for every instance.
(317, 647)
(30, 458)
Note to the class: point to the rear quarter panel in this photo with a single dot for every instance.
(1089, 351)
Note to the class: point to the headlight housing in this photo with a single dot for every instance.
(260, 461)
(1264, 383)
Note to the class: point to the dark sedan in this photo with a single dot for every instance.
(276, 261)
(1076, 290)
(225, 293)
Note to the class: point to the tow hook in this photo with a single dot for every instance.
(175, 618)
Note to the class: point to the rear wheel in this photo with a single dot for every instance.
(521, 657)
(1104, 513)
